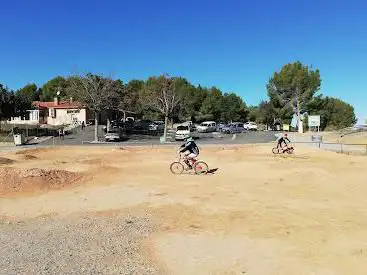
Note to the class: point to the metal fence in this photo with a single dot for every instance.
(343, 148)
(29, 131)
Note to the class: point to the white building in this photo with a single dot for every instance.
(58, 112)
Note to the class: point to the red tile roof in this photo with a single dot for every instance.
(60, 105)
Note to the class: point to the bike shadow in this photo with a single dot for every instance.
(212, 171)
(209, 172)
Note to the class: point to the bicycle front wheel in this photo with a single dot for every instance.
(201, 167)
(176, 168)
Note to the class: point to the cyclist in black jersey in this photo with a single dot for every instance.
(191, 151)
(283, 140)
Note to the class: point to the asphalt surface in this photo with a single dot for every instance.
(86, 137)
(79, 137)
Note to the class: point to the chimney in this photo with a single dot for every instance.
(71, 99)
(56, 101)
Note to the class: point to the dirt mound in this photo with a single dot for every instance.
(34, 151)
(93, 161)
(6, 161)
(30, 157)
(14, 180)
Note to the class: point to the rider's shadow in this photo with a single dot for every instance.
(212, 171)
(209, 172)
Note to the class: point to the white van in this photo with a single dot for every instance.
(182, 132)
(207, 127)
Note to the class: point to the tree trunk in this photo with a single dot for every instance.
(96, 126)
(171, 122)
(165, 128)
(300, 123)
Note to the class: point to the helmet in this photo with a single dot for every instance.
(189, 139)
(285, 134)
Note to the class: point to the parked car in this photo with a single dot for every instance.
(143, 124)
(114, 124)
(114, 135)
(220, 126)
(127, 127)
(182, 132)
(233, 128)
(190, 124)
(207, 127)
(128, 119)
(250, 126)
(156, 126)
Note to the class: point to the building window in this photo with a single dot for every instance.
(52, 112)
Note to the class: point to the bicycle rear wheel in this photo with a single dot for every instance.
(176, 168)
(275, 150)
(201, 167)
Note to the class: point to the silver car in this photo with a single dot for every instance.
(233, 128)
(114, 135)
(207, 127)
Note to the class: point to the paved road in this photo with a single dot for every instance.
(84, 137)
(79, 138)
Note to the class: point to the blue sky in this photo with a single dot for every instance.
(234, 45)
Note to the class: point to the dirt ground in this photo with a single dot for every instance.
(258, 214)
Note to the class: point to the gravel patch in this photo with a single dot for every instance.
(78, 245)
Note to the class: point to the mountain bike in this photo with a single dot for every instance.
(178, 167)
(278, 150)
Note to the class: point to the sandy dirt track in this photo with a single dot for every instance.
(258, 214)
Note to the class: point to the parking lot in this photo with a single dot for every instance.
(86, 136)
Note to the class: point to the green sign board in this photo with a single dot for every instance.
(313, 121)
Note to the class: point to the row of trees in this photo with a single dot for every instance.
(161, 97)
(292, 90)
(192, 102)
(158, 97)
(295, 90)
